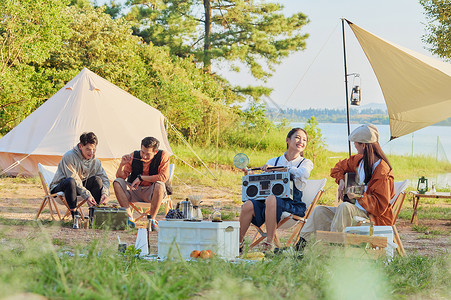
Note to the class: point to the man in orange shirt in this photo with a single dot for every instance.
(141, 177)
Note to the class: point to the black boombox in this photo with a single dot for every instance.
(260, 186)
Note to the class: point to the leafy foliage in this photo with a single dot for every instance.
(29, 31)
(316, 143)
(249, 32)
(438, 14)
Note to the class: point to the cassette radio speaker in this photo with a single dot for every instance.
(260, 186)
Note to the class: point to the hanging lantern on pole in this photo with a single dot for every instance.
(356, 93)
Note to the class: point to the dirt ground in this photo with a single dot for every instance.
(19, 202)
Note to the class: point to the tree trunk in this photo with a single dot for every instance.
(207, 45)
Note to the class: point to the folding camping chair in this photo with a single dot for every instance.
(46, 173)
(312, 192)
(396, 204)
(143, 208)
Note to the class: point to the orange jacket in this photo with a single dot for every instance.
(376, 199)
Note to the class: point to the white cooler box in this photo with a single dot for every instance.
(386, 231)
(183, 237)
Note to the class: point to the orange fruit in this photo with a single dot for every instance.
(204, 254)
(195, 254)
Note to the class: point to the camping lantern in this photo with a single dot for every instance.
(422, 186)
(356, 95)
(356, 92)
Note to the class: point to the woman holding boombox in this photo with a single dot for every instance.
(269, 211)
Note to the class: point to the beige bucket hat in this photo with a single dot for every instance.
(366, 134)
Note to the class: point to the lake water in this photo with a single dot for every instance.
(425, 141)
(432, 141)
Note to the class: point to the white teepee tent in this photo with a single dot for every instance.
(86, 103)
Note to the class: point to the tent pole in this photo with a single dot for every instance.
(436, 155)
(346, 83)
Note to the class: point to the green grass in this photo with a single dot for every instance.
(419, 275)
(417, 166)
(428, 232)
(420, 228)
(434, 201)
(17, 222)
(228, 216)
(32, 180)
(206, 212)
(39, 266)
(59, 242)
(427, 212)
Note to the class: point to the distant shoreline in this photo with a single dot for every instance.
(325, 115)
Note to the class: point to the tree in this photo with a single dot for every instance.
(193, 101)
(103, 45)
(438, 14)
(29, 31)
(316, 145)
(113, 9)
(253, 33)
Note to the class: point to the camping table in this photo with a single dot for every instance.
(416, 199)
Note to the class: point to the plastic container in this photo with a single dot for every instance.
(386, 231)
(180, 238)
(114, 218)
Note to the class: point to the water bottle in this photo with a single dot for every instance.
(76, 222)
(433, 190)
(149, 229)
(371, 232)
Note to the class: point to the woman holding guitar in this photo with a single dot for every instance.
(373, 172)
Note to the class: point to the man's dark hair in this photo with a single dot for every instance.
(88, 138)
(150, 142)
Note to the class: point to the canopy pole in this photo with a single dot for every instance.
(346, 82)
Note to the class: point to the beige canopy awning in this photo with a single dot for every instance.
(416, 88)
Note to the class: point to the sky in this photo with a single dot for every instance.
(314, 78)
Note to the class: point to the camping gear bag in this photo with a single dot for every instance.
(114, 218)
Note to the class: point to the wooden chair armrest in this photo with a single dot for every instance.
(297, 218)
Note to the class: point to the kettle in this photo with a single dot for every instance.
(186, 208)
